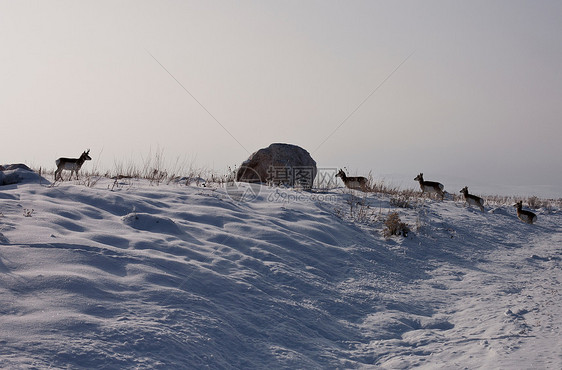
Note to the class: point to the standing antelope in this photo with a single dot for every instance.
(71, 164)
(430, 186)
(472, 200)
(525, 216)
(357, 183)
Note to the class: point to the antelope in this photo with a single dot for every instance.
(472, 200)
(525, 216)
(357, 183)
(71, 164)
(430, 186)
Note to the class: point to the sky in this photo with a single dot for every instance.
(466, 92)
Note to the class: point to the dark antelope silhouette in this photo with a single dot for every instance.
(71, 164)
(472, 200)
(525, 216)
(430, 186)
(357, 183)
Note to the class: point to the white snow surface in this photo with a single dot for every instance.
(140, 275)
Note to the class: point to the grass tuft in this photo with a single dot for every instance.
(395, 226)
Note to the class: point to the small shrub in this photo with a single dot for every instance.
(395, 226)
(400, 201)
(533, 202)
(156, 176)
(536, 203)
(360, 209)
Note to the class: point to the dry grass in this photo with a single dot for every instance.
(359, 209)
(533, 202)
(155, 168)
(401, 201)
(395, 226)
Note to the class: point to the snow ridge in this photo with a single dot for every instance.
(186, 277)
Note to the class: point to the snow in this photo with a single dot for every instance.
(138, 274)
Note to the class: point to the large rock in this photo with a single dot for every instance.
(279, 164)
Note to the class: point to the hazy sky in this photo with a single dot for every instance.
(470, 89)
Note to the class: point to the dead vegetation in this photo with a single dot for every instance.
(394, 226)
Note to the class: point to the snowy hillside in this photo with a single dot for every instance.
(131, 274)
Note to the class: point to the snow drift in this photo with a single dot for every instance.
(177, 276)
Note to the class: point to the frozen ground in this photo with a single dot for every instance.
(134, 275)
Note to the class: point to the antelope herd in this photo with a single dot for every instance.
(357, 183)
(433, 187)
